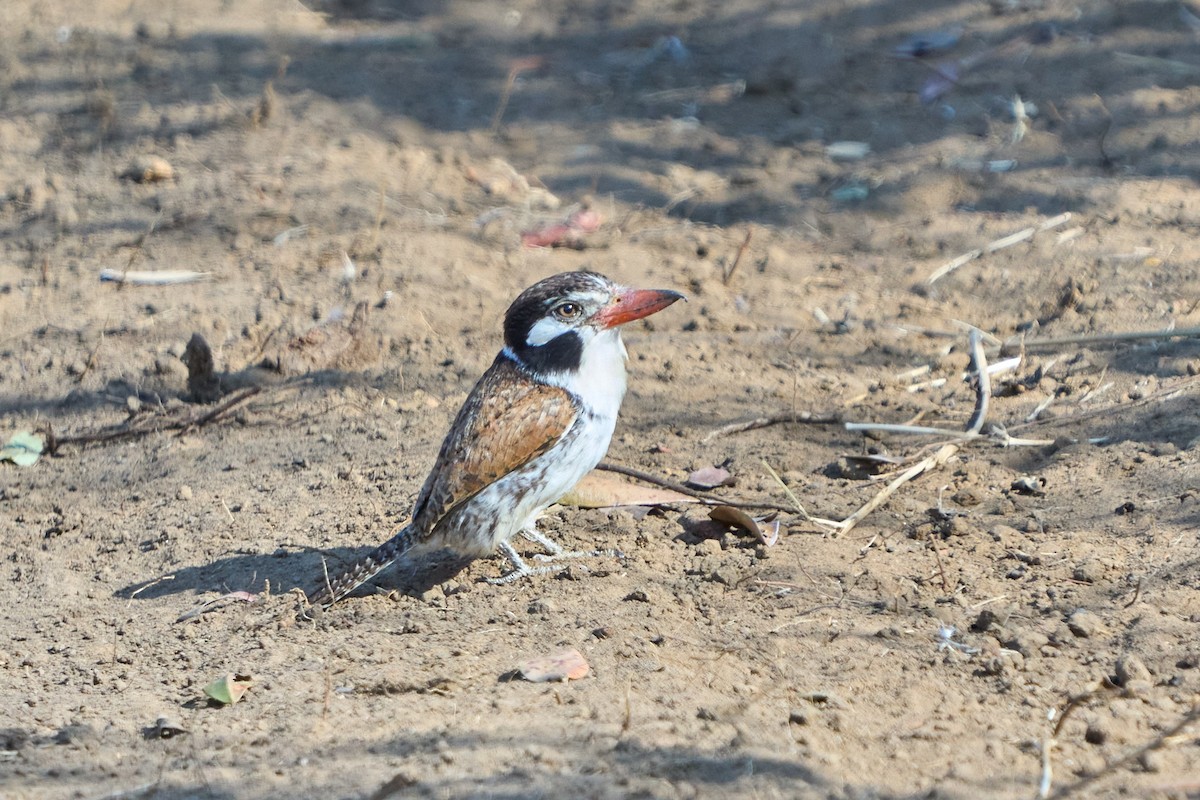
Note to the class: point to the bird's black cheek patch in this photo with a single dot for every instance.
(563, 353)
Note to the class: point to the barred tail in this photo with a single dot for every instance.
(366, 568)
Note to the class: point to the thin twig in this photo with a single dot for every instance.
(737, 259)
(161, 277)
(944, 453)
(663, 483)
(983, 384)
(91, 359)
(918, 430)
(518, 66)
(1158, 396)
(1131, 756)
(1101, 338)
(798, 506)
(805, 417)
(184, 424)
(937, 557)
(996, 245)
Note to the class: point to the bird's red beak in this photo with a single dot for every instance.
(634, 304)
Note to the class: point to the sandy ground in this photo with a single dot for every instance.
(392, 133)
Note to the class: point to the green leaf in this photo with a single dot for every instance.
(229, 689)
(23, 449)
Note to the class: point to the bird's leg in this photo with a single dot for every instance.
(519, 568)
(554, 553)
(553, 548)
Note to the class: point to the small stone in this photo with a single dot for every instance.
(149, 169)
(958, 526)
(12, 739)
(1085, 624)
(1027, 643)
(77, 734)
(183, 493)
(1060, 635)
(709, 546)
(541, 606)
(987, 620)
(1131, 668)
(1005, 662)
(967, 497)
(1151, 761)
(1089, 571)
(727, 575)
(1005, 533)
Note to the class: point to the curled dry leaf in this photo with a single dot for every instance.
(865, 465)
(601, 490)
(765, 529)
(149, 169)
(23, 449)
(710, 478)
(568, 233)
(569, 665)
(229, 689)
(167, 728)
(1030, 484)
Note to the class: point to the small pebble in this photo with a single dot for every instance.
(1027, 643)
(1085, 624)
(184, 493)
(1089, 571)
(1131, 668)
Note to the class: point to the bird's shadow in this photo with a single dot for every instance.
(413, 575)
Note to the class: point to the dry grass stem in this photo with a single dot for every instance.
(983, 384)
(663, 483)
(1101, 338)
(805, 417)
(737, 259)
(799, 507)
(162, 277)
(997, 245)
(943, 454)
(1129, 757)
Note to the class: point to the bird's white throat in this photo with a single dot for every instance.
(600, 379)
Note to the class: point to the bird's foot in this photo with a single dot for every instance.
(554, 550)
(557, 554)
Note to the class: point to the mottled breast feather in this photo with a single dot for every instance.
(506, 422)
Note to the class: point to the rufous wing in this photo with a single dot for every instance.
(507, 421)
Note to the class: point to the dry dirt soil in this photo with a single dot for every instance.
(315, 157)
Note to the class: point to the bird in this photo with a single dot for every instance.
(539, 419)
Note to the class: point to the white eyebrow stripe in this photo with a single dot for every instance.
(544, 330)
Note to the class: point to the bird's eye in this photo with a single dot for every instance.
(567, 310)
